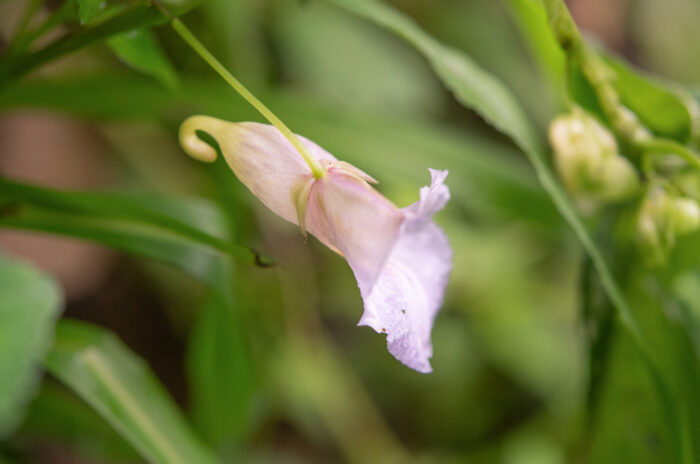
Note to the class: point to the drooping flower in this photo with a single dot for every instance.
(400, 257)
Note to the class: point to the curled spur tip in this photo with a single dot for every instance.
(190, 141)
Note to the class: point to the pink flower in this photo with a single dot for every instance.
(400, 257)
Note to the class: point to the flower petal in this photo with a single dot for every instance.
(346, 213)
(410, 289)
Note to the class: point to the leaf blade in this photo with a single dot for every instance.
(29, 306)
(121, 388)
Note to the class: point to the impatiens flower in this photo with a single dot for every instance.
(400, 257)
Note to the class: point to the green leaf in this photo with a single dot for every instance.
(58, 413)
(219, 371)
(29, 305)
(104, 217)
(532, 22)
(89, 10)
(596, 314)
(140, 50)
(122, 389)
(132, 17)
(659, 106)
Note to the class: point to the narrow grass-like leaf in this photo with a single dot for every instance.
(122, 389)
(219, 371)
(29, 305)
(27, 204)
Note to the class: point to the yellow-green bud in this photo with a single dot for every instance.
(686, 215)
(587, 158)
(661, 219)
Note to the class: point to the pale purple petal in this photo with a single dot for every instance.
(410, 289)
(348, 215)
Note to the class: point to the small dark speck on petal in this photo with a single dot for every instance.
(384, 330)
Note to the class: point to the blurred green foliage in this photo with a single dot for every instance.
(531, 364)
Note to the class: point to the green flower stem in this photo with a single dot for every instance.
(656, 146)
(197, 46)
(600, 76)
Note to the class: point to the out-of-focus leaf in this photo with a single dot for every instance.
(88, 10)
(140, 50)
(532, 21)
(686, 289)
(659, 107)
(376, 75)
(678, 364)
(140, 224)
(121, 388)
(29, 305)
(316, 388)
(219, 371)
(132, 17)
(58, 413)
(599, 324)
(39, 208)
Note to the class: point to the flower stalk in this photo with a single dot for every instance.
(317, 169)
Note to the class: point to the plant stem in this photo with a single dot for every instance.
(670, 147)
(182, 30)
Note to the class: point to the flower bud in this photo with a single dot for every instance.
(661, 219)
(686, 215)
(588, 161)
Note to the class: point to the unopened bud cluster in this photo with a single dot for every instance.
(588, 160)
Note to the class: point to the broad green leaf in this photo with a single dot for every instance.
(140, 50)
(659, 106)
(89, 10)
(678, 363)
(29, 305)
(123, 390)
(107, 213)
